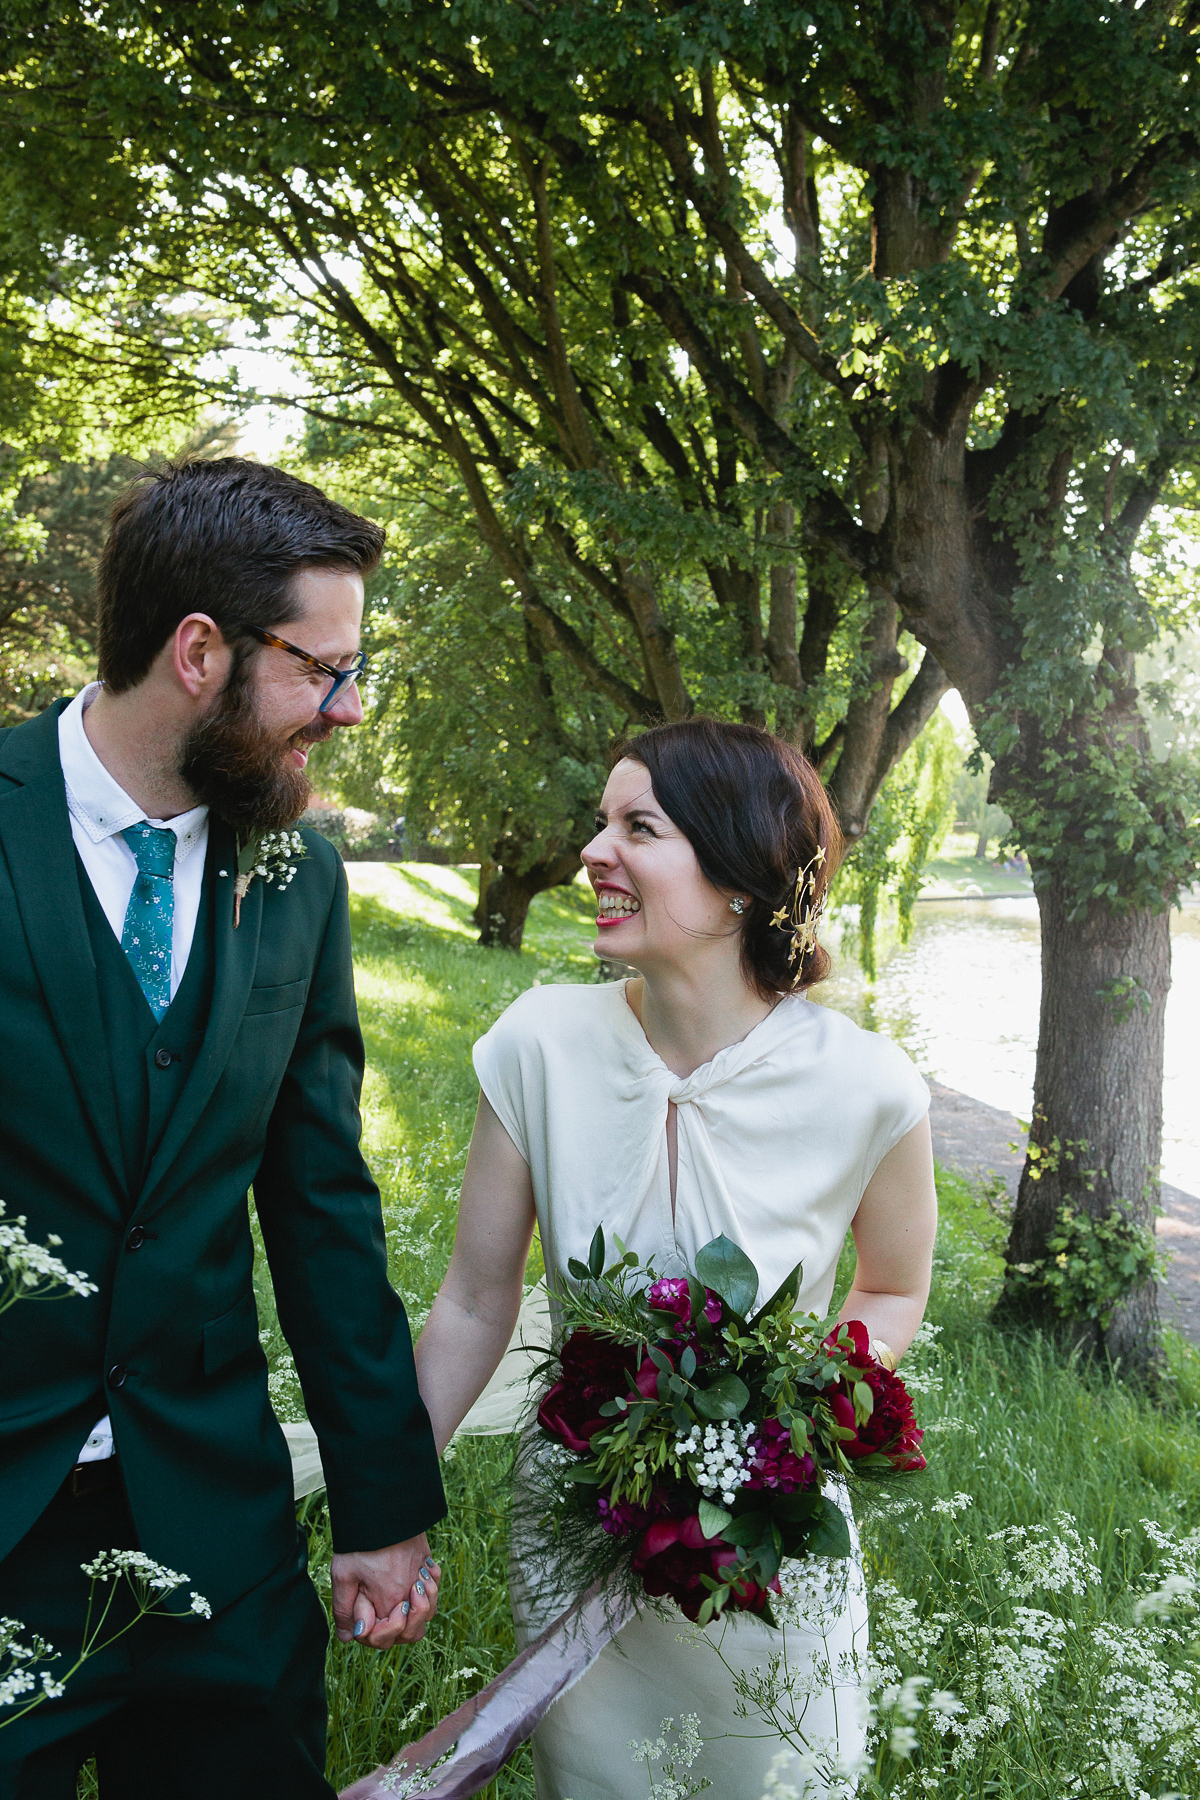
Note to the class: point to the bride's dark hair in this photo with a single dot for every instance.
(755, 812)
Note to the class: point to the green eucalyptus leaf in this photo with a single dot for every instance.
(728, 1271)
(713, 1518)
(749, 1531)
(830, 1535)
(723, 1398)
(785, 1295)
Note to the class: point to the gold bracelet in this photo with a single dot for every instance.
(883, 1353)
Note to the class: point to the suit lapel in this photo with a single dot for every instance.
(235, 957)
(35, 834)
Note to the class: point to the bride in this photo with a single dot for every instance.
(711, 1094)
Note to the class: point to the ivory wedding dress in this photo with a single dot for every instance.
(778, 1137)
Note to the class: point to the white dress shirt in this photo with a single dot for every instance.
(100, 811)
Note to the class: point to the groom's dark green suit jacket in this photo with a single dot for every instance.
(266, 1096)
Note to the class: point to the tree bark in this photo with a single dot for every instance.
(1098, 1091)
(510, 892)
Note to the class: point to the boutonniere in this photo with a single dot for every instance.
(272, 856)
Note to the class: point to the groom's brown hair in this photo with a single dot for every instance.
(224, 538)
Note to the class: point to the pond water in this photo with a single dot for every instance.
(962, 997)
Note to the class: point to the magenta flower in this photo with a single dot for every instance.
(671, 1295)
(775, 1464)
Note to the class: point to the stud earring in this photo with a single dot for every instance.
(737, 904)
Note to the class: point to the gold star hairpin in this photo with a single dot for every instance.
(802, 914)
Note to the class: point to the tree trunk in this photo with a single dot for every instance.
(487, 869)
(1098, 1092)
(509, 896)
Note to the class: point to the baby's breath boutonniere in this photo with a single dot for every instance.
(272, 856)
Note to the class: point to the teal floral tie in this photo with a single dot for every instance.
(146, 939)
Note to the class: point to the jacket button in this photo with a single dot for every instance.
(136, 1238)
(117, 1375)
(162, 1058)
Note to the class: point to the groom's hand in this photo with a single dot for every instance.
(385, 1597)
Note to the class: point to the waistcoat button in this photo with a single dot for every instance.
(163, 1058)
(117, 1374)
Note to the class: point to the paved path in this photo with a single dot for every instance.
(976, 1139)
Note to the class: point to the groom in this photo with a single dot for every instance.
(161, 1057)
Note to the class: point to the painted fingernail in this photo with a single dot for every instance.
(359, 1627)
(420, 1587)
(426, 1572)
(404, 1606)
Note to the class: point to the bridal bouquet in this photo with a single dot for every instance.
(699, 1434)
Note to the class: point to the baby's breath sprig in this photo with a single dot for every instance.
(272, 856)
(802, 914)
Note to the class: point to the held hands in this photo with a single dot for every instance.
(385, 1597)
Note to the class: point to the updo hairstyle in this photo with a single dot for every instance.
(755, 812)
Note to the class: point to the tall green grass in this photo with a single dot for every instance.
(1025, 1431)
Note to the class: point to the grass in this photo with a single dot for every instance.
(957, 873)
(1026, 1432)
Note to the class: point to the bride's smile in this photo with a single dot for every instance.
(653, 905)
(614, 904)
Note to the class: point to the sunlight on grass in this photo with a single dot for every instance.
(423, 891)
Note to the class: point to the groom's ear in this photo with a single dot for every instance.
(199, 656)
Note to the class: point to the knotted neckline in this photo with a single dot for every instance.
(755, 1047)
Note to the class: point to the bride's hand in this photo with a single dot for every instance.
(385, 1597)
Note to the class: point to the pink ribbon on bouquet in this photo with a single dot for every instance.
(478, 1737)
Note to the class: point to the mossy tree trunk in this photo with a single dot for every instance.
(1096, 1138)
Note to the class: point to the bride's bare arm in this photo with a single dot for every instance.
(473, 1317)
(894, 1229)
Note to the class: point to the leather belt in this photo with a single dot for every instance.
(92, 1478)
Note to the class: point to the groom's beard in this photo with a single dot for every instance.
(244, 772)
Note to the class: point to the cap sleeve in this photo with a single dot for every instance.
(904, 1101)
(498, 1061)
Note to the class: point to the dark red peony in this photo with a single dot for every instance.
(594, 1370)
(775, 1464)
(674, 1554)
(891, 1430)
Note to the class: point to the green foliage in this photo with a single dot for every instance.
(1119, 827)
(1092, 1263)
(56, 522)
(914, 812)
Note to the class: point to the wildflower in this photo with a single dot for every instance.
(1175, 1590)
(29, 1271)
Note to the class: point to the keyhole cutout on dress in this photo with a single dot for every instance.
(672, 1150)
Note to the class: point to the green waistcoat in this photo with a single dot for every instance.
(150, 1060)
